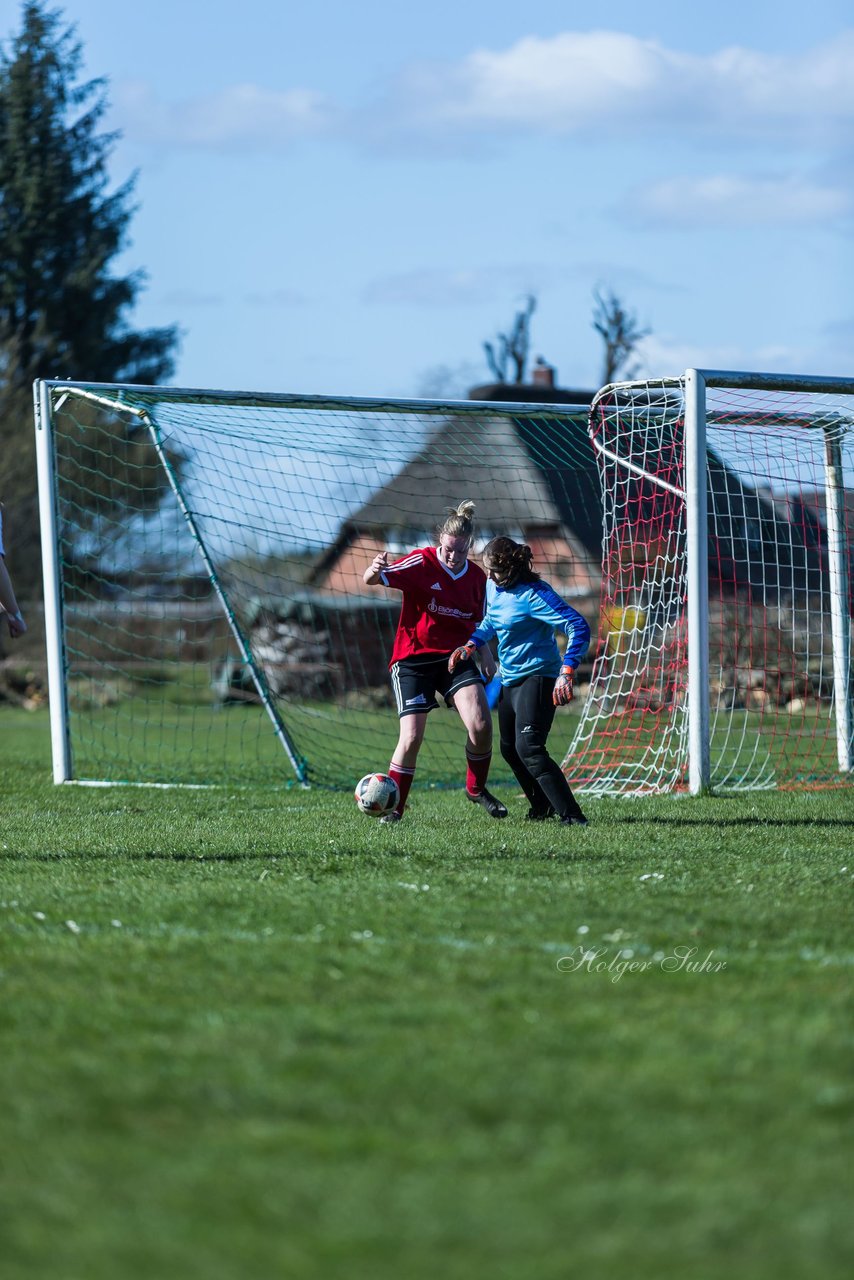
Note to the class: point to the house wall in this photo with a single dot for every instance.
(554, 559)
(568, 573)
(345, 575)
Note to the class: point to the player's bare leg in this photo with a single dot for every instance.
(402, 767)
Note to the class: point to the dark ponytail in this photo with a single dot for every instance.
(509, 562)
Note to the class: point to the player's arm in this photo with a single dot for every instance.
(406, 574)
(373, 575)
(8, 603)
(551, 608)
(488, 665)
(482, 634)
(548, 606)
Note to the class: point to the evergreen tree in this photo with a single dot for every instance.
(63, 313)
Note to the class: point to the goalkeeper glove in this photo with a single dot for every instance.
(563, 690)
(459, 655)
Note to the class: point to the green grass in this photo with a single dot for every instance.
(249, 1033)
(163, 731)
(166, 725)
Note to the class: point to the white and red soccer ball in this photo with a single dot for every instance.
(377, 794)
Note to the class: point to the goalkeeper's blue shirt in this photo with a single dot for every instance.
(523, 619)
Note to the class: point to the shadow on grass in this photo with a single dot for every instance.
(164, 855)
(717, 823)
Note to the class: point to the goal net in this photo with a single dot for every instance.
(208, 619)
(772, 666)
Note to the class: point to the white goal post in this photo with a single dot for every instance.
(204, 554)
(728, 525)
(207, 621)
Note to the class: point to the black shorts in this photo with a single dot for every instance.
(416, 681)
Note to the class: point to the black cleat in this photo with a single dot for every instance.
(388, 818)
(493, 807)
(574, 820)
(539, 815)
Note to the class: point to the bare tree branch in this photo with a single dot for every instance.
(511, 350)
(620, 332)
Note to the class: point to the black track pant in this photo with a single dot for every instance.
(525, 715)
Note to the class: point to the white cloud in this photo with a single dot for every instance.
(240, 116)
(590, 82)
(729, 200)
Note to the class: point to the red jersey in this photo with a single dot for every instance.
(440, 609)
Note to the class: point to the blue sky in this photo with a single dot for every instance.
(349, 198)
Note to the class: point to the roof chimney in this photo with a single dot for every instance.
(543, 375)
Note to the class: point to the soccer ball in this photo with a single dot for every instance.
(377, 794)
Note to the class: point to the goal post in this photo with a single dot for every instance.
(59, 727)
(204, 554)
(697, 583)
(728, 528)
(838, 548)
(207, 619)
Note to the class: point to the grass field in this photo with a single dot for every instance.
(199, 742)
(254, 1034)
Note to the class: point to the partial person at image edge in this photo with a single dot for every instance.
(8, 602)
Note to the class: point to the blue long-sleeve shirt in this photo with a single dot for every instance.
(523, 619)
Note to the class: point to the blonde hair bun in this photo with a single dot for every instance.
(459, 522)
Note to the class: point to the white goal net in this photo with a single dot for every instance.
(774, 545)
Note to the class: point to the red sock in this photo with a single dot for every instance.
(477, 771)
(403, 777)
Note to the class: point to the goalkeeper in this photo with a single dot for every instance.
(522, 612)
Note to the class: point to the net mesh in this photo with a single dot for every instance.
(770, 619)
(211, 550)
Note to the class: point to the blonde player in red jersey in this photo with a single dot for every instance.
(444, 596)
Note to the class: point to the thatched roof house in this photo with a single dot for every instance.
(531, 473)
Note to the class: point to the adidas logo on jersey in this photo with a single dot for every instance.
(437, 586)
